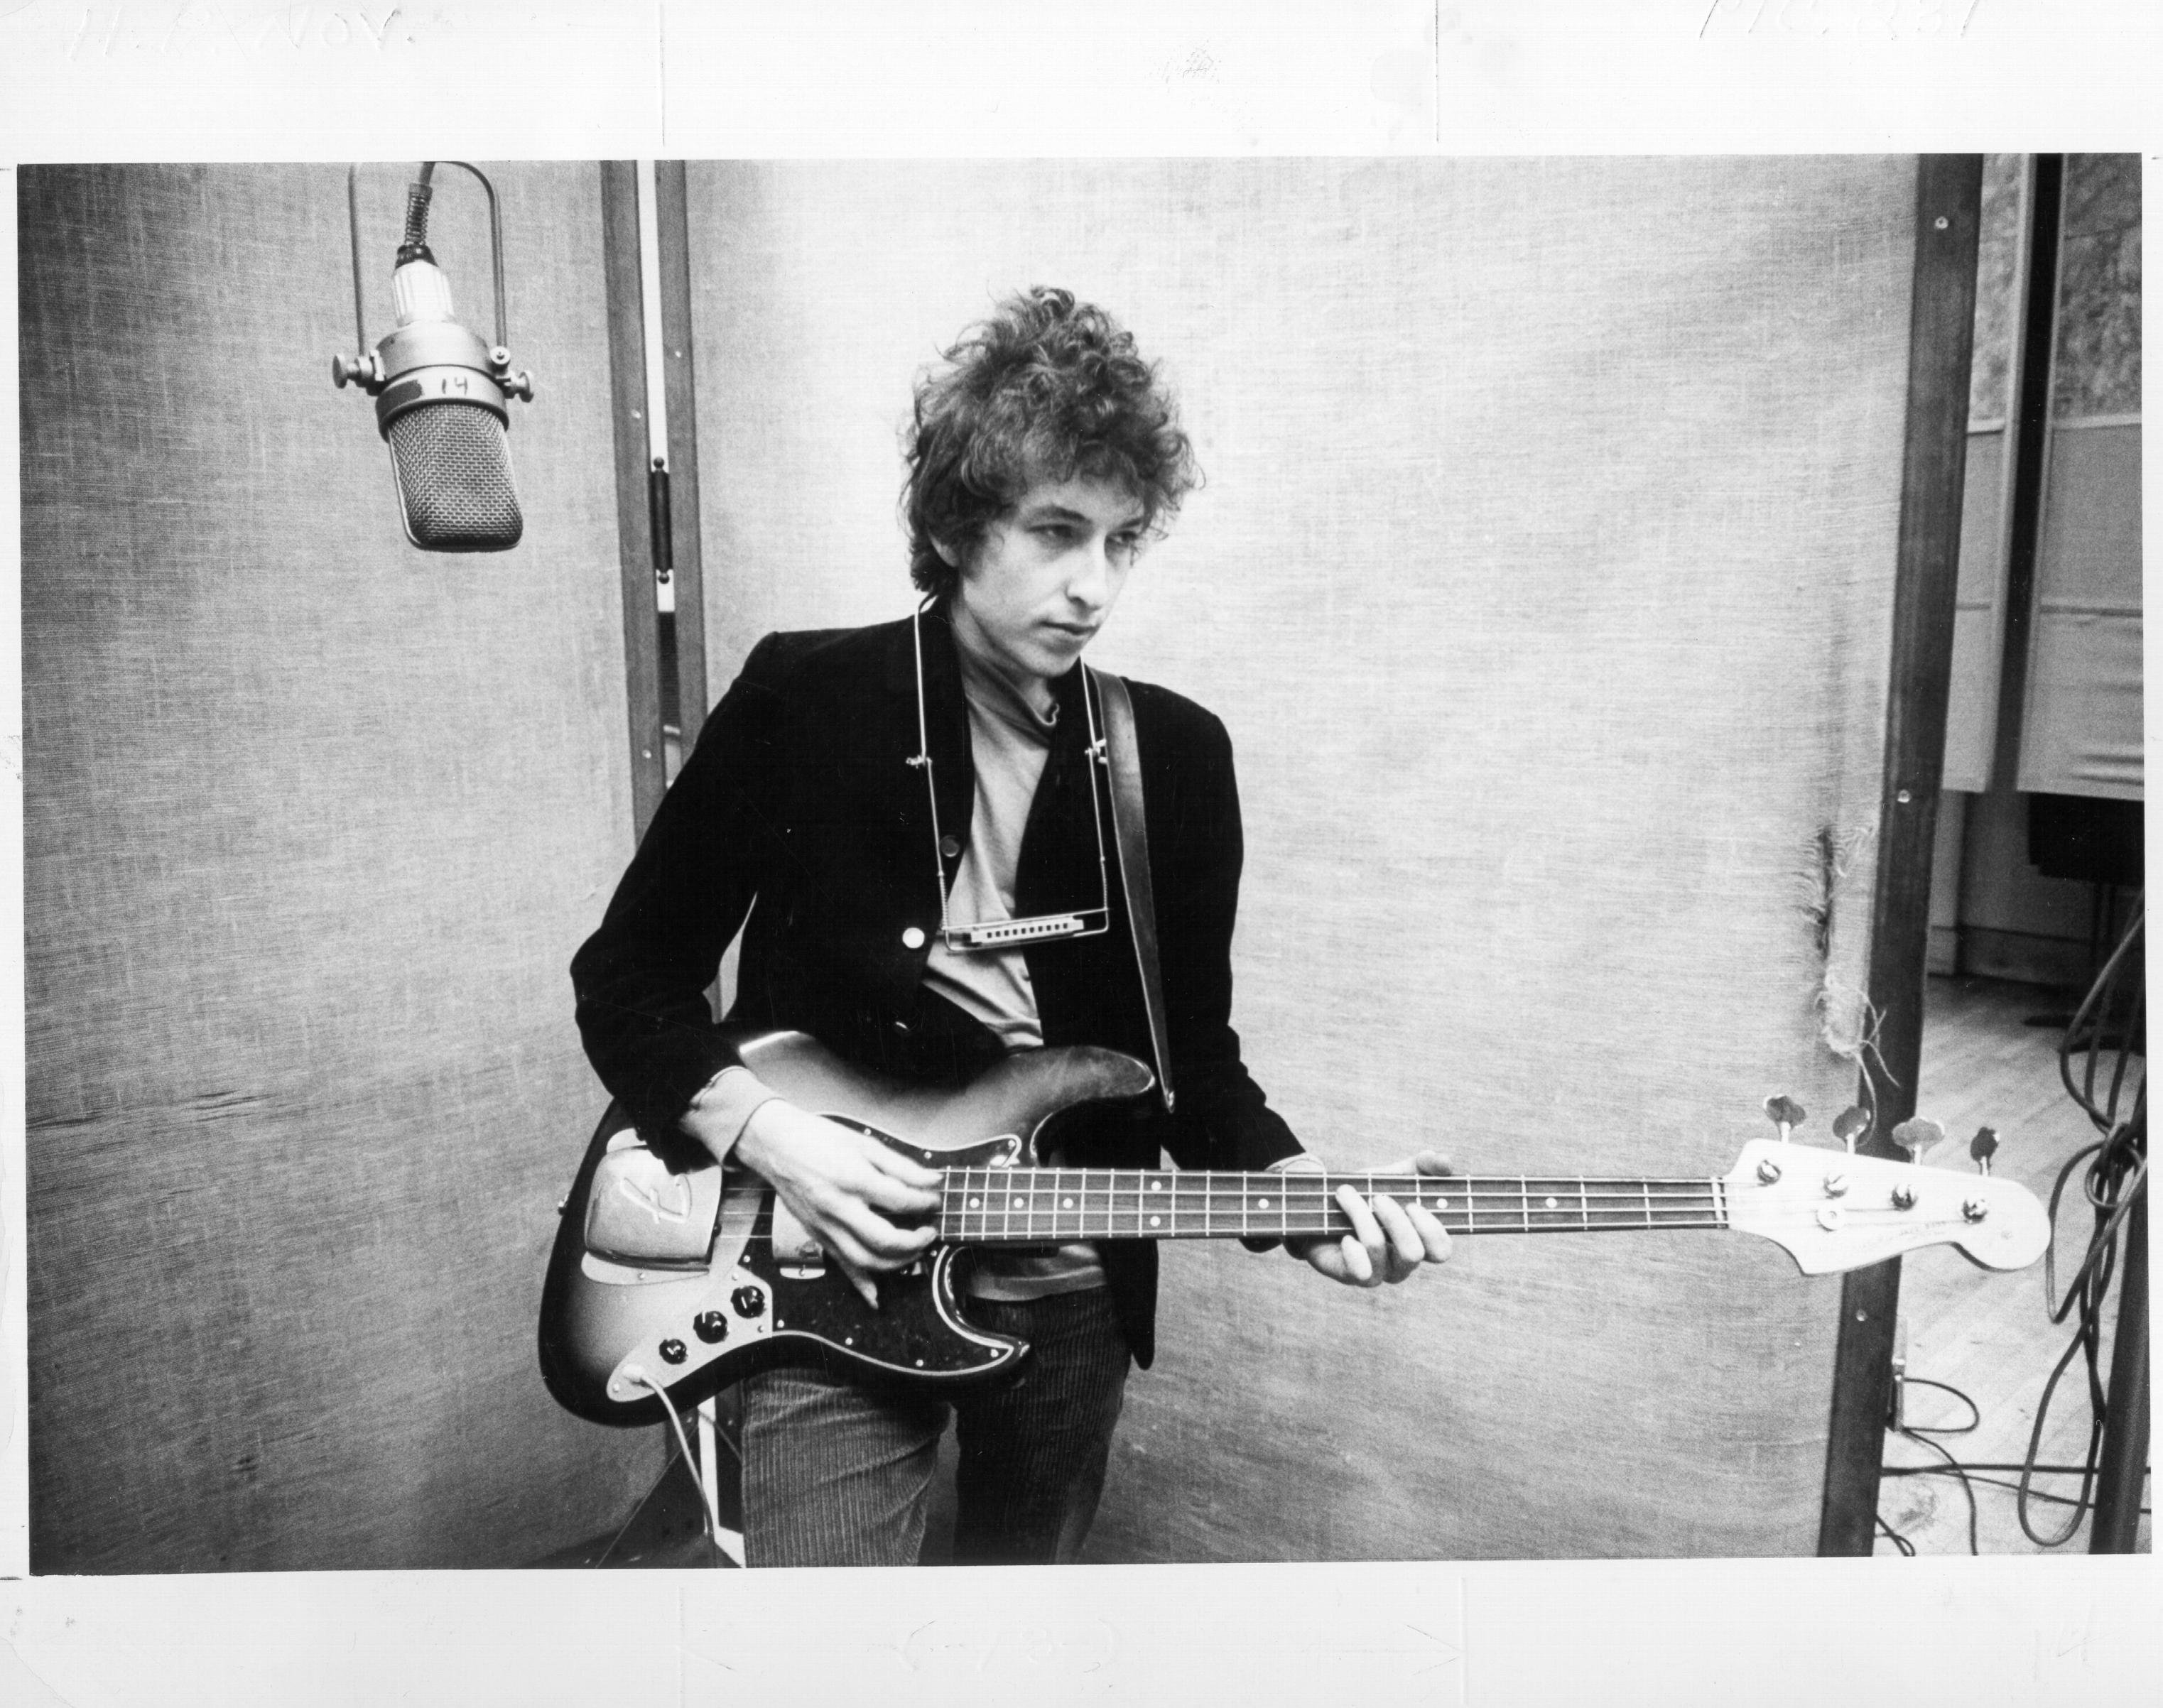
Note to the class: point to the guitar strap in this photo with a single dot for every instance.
(1131, 830)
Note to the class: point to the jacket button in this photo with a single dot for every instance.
(913, 938)
(950, 846)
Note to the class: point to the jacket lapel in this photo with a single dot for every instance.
(945, 721)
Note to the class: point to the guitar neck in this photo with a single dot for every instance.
(1042, 1206)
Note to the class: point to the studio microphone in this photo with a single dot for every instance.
(442, 395)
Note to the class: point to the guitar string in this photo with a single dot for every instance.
(1103, 1201)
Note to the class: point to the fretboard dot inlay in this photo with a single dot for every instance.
(1156, 1186)
(1550, 1203)
(976, 1203)
(1019, 1202)
(1156, 1221)
(1261, 1204)
(1066, 1203)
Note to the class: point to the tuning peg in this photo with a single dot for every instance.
(1785, 1113)
(1983, 1146)
(1917, 1138)
(1850, 1124)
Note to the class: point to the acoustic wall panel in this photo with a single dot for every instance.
(2081, 731)
(314, 822)
(1544, 578)
(2001, 299)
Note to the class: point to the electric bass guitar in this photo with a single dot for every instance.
(672, 1273)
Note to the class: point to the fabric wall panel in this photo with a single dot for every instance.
(314, 821)
(2000, 301)
(1543, 579)
(2080, 730)
(2081, 734)
(1979, 621)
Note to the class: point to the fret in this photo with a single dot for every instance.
(1584, 1204)
(1524, 1201)
(1648, 1185)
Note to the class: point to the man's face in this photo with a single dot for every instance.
(1037, 588)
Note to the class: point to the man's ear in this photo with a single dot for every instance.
(949, 554)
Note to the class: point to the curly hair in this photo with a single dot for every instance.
(1046, 388)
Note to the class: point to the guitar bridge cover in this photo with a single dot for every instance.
(642, 1212)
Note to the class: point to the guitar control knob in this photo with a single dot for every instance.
(673, 1351)
(749, 1301)
(711, 1326)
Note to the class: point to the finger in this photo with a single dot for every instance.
(1358, 1267)
(907, 1170)
(858, 1234)
(887, 1247)
(1432, 1234)
(891, 1194)
(1368, 1230)
(865, 1286)
(1407, 1250)
(1433, 1162)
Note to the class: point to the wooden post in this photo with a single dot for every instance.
(642, 630)
(1940, 341)
(680, 373)
(2122, 1469)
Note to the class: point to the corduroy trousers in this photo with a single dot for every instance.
(839, 1473)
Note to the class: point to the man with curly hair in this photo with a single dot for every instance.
(1044, 454)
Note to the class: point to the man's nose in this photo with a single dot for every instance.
(1090, 581)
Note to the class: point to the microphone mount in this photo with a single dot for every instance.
(429, 357)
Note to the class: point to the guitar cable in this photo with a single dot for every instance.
(1972, 1473)
(2112, 1020)
(1907, 1547)
(707, 1505)
(2109, 1027)
(1924, 1434)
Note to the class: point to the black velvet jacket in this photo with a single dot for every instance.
(799, 809)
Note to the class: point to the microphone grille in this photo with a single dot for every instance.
(452, 465)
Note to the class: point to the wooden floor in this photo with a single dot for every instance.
(1989, 1335)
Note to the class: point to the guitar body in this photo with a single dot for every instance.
(668, 1268)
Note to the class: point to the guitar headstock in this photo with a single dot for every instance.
(1832, 1210)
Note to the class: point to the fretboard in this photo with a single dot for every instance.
(1041, 1206)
